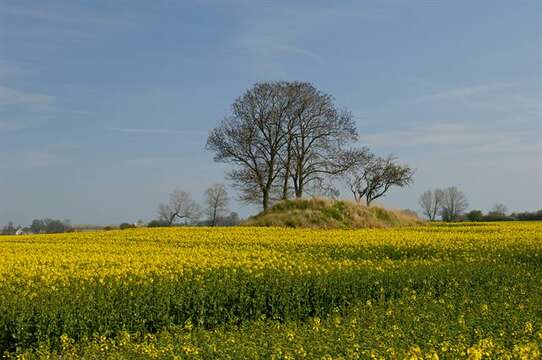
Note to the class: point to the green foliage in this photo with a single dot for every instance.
(9, 229)
(413, 327)
(157, 223)
(528, 216)
(495, 216)
(125, 226)
(474, 215)
(49, 226)
(477, 215)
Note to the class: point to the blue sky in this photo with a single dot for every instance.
(105, 105)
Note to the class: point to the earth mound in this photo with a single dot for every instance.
(331, 214)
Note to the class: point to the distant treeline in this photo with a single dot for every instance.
(52, 226)
(38, 226)
(232, 219)
(478, 215)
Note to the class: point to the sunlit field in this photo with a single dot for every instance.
(433, 291)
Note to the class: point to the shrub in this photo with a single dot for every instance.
(496, 216)
(125, 226)
(56, 226)
(474, 215)
(156, 223)
(528, 216)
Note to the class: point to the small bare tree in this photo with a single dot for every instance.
(216, 198)
(499, 209)
(454, 203)
(430, 202)
(180, 207)
(372, 176)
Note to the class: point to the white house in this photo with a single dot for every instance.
(22, 231)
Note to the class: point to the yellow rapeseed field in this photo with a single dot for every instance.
(441, 291)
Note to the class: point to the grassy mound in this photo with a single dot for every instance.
(330, 214)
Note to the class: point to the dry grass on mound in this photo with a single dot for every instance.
(331, 214)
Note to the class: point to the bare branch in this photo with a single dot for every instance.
(217, 199)
(371, 176)
(179, 207)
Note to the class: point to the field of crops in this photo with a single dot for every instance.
(435, 291)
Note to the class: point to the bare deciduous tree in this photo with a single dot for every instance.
(499, 209)
(252, 139)
(324, 187)
(430, 202)
(454, 203)
(318, 133)
(216, 198)
(372, 176)
(180, 207)
(354, 178)
(281, 137)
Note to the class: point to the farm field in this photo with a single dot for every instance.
(442, 291)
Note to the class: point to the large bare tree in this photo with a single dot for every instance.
(430, 202)
(454, 203)
(319, 132)
(252, 138)
(372, 176)
(216, 198)
(179, 207)
(281, 137)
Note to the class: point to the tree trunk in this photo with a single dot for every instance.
(287, 171)
(299, 190)
(214, 217)
(300, 176)
(357, 198)
(285, 185)
(265, 202)
(285, 189)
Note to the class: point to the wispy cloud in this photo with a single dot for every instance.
(158, 131)
(14, 10)
(276, 32)
(498, 103)
(27, 159)
(472, 91)
(300, 51)
(9, 96)
(53, 23)
(268, 48)
(468, 92)
(460, 138)
(155, 162)
(54, 14)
